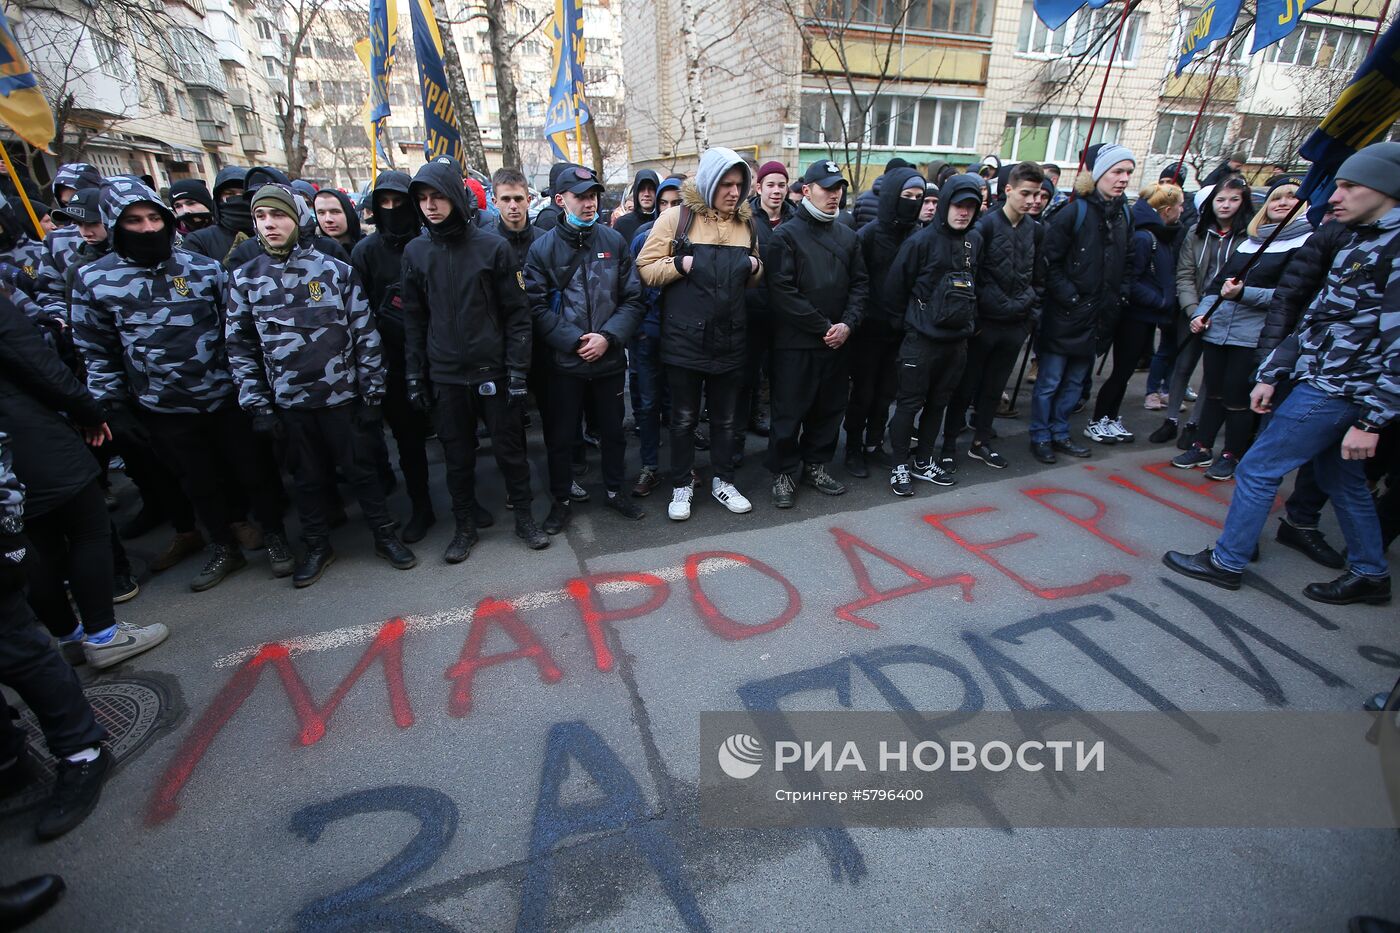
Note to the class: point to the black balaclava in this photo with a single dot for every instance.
(145, 249)
(236, 215)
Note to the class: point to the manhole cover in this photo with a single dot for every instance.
(130, 710)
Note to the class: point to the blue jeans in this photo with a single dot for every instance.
(1308, 426)
(1058, 388)
(646, 374)
(1160, 372)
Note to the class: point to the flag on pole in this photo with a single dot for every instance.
(377, 53)
(1055, 13)
(1276, 19)
(22, 104)
(1216, 21)
(1366, 108)
(439, 118)
(567, 108)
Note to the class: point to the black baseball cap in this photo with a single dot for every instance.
(825, 173)
(82, 207)
(578, 180)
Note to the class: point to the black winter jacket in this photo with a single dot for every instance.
(1085, 280)
(879, 244)
(519, 241)
(931, 285)
(1303, 278)
(817, 279)
(866, 210)
(1011, 274)
(756, 300)
(602, 295)
(466, 320)
(628, 223)
(50, 457)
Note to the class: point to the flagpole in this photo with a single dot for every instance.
(23, 195)
(578, 134)
(1205, 98)
(1112, 55)
(1380, 24)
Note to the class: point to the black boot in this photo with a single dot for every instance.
(1350, 588)
(318, 557)
(483, 518)
(460, 547)
(225, 560)
(388, 546)
(76, 790)
(527, 531)
(560, 513)
(418, 524)
(855, 463)
(26, 900)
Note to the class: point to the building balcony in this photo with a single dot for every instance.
(239, 98)
(252, 143)
(932, 59)
(214, 133)
(1192, 87)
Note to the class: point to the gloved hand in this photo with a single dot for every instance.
(125, 426)
(369, 416)
(13, 547)
(418, 395)
(518, 390)
(266, 423)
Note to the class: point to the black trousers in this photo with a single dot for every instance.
(758, 360)
(72, 544)
(410, 430)
(159, 484)
(569, 397)
(455, 413)
(874, 384)
(991, 356)
(929, 372)
(1229, 378)
(721, 393)
(1132, 339)
(30, 666)
(203, 448)
(809, 394)
(318, 441)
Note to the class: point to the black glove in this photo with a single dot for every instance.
(418, 395)
(369, 416)
(126, 427)
(517, 390)
(13, 547)
(266, 422)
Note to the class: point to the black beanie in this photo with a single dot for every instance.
(192, 189)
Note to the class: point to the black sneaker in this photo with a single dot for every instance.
(526, 530)
(1195, 458)
(948, 463)
(388, 546)
(624, 506)
(1223, 469)
(224, 561)
(76, 790)
(988, 456)
(784, 492)
(1187, 437)
(1165, 433)
(463, 540)
(124, 587)
(855, 464)
(901, 482)
(560, 514)
(815, 475)
(279, 554)
(930, 472)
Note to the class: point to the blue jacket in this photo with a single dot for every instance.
(1152, 278)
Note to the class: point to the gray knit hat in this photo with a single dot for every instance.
(1109, 156)
(1377, 166)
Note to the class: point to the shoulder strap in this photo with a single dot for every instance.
(683, 222)
(1079, 211)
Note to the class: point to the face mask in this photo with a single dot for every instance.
(907, 211)
(398, 221)
(578, 223)
(283, 251)
(196, 221)
(236, 215)
(145, 249)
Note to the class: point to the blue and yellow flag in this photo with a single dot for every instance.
(1276, 19)
(22, 104)
(1055, 13)
(567, 108)
(1214, 22)
(377, 53)
(1364, 111)
(438, 116)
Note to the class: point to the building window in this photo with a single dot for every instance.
(966, 17)
(891, 121)
(271, 68)
(1173, 128)
(1087, 34)
(182, 104)
(161, 95)
(265, 29)
(1274, 139)
(1321, 47)
(1052, 139)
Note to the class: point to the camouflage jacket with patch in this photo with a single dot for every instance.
(1348, 341)
(11, 489)
(19, 268)
(301, 334)
(60, 248)
(154, 334)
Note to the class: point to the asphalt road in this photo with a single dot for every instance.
(514, 741)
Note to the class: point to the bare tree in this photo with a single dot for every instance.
(301, 17)
(472, 146)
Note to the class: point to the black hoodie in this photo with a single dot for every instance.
(930, 290)
(217, 241)
(352, 217)
(550, 215)
(378, 259)
(466, 320)
(628, 223)
(880, 241)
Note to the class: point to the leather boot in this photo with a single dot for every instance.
(388, 546)
(527, 531)
(26, 900)
(419, 522)
(319, 556)
(460, 547)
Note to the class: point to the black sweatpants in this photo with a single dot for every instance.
(72, 543)
(158, 482)
(721, 393)
(569, 397)
(455, 412)
(1229, 378)
(809, 393)
(758, 351)
(203, 448)
(991, 356)
(928, 371)
(410, 430)
(320, 440)
(874, 383)
(33, 668)
(1131, 340)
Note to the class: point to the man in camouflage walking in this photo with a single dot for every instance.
(306, 355)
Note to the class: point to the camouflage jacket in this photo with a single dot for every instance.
(11, 489)
(301, 334)
(1348, 341)
(60, 247)
(19, 269)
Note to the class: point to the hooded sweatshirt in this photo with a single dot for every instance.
(466, 320)
(880, 242)
(353, 233)
(551, 213)
(628, 223)
(378, 260)
(703, 320)
(75, 175)
(233, 221)
(931, 285)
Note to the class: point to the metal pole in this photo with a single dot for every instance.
(1112, 56)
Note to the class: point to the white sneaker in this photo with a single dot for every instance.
(1191, 394)
(729, 497)
(128, 641)
(1099, 431)
(1123, 434)
(679, 509)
